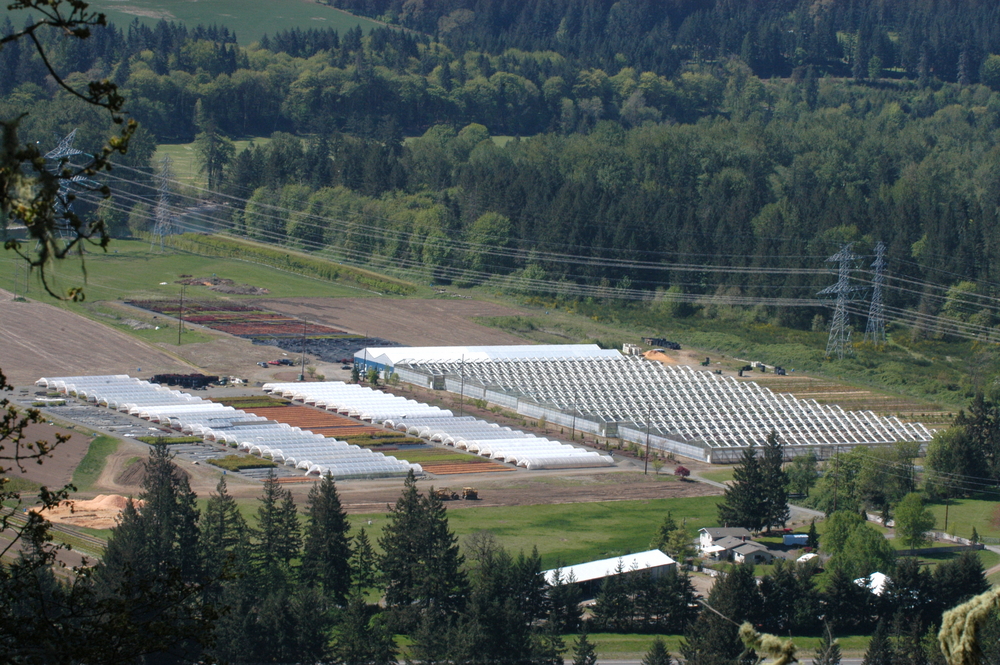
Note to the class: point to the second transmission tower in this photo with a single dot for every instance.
(875, 331)
(839, 341)
(164, 226)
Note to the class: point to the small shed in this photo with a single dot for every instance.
(795, 539)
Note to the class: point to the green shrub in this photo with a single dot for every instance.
(168, 440)
(237, 462)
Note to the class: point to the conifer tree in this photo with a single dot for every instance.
(421, 564)
(774, 482)
(713, 638)
(564, 603)
(326, 551)
(362, 637)
(812, 540)
(224, 535)
(584, 652)
(743, 504)
(162, 539)
(879, 648)
(277, 540)
(363, 560)
(657, 654)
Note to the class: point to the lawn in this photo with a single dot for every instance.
(563, 533)
(131, 270)
(627, 646)
(184, 161)
(963, 514)
(250, 20)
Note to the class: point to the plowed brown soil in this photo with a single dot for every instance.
(433, 322)
(41, 340)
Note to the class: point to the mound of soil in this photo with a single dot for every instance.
(135, 474)
(101, 512)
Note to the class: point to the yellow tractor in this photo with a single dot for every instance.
(470, 493)
(445, 494)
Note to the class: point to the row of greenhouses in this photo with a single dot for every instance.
(292, 446)
(441, 426)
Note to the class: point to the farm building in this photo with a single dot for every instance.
(592, 574)
(678, 409)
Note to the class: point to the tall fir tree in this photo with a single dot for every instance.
(713, 638)
(224, 534)
(277, 537)
(775, 482)
(828, 650)
(880, 650)
(363, 563)
(743, 504)
(151, 572)
(421, 563)
(362, 636)
(326, 551)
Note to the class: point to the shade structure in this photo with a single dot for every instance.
(434, 424)
(188, 413)
(676, 408)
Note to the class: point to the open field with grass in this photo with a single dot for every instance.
(963, 514)
(616, 646)
(184, 160)
(250, 20)
(131, 270)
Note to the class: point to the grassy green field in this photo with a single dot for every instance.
(92, 464)
(131, 270)
(963, 514)
(250, 20)
(619, 646)
(184, 161)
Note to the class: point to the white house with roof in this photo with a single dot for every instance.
(713, 541)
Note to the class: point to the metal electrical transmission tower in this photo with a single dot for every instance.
(164, 225)
(61, 155)
(839, 342)
(875, 331)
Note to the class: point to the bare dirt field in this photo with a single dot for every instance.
(55, 471)
(428, 322)
(41, 340)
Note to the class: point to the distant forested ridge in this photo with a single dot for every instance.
(948, 40)
(702, 180)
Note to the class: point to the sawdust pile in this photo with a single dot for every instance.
(101, 512)
(659, 357)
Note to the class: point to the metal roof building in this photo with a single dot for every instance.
(678, 409)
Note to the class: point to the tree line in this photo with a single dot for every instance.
(175, 584)
(847, 37)
(707, 166)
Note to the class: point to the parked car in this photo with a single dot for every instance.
(286, 361)
(273, 362)
(345, 367)
(262, 363)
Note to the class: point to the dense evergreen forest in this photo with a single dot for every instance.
(627, 177)
(179, 584)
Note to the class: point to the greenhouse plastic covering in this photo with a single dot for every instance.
(431, 423)
(292, 446)
(718, 414)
